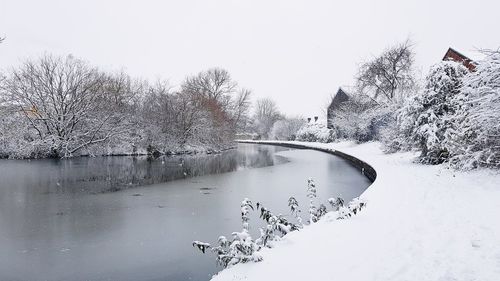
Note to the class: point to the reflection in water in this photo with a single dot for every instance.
(109, 174)
(58, 220)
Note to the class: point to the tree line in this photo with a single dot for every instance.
(63, 106)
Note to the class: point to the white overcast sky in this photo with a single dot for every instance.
(296, 52)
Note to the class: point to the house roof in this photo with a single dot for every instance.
(454, 55)
(451, 50)
(339, 97)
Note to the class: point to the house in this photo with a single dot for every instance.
(339, 97)
(453, 55)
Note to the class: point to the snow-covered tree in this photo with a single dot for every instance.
(360, 119)
(66, 103)
(287, 128)
(266, 114)
(424, 120)
(475, 139)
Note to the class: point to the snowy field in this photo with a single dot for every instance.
(421, 223)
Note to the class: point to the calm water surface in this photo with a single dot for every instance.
(134, 218)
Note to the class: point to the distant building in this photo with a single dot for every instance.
(340, 97)
(453, 55)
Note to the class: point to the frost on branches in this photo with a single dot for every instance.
(424, 120)
(64, 107)
(360, 119)
(475, 141)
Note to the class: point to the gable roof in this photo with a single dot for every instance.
(456, 56)
(340, 97)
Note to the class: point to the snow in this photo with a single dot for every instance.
(421, 223)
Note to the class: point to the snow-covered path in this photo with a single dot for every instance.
(421, 223)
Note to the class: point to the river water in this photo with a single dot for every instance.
(134, 218)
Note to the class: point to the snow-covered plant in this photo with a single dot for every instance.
(475, 140)
(294, 209)
(202, 246)
(336, 203)
(268, 233)
(424, 120)
(354, 207)
(321, 211)
(241, 249)
(277, 227)
(316, 213)
(311, 194)
(315, 132)
(246, 205)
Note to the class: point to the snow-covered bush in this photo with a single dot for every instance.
(360, 119)
(315, 132)
(424, 120)
(475, 139)
(286, 129)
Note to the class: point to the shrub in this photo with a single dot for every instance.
(315, 132)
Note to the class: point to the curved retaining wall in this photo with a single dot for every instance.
(365, 168)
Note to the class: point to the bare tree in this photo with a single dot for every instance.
(214, 85)
(241, 109)
(266, 114)
(287, 128)
(170, 118)
(387, 78)
(215, 92)
(63, 101)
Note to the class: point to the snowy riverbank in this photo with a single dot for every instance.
(421, 223)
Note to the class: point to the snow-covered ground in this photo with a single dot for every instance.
(421, 223)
